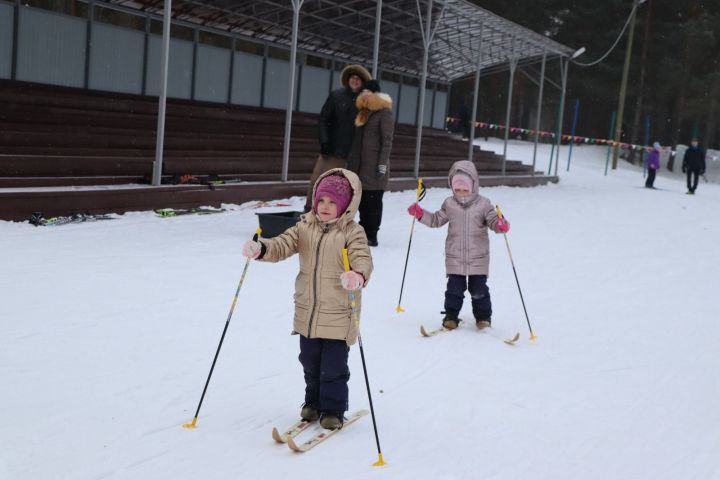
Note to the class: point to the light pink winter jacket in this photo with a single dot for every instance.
(467, 247)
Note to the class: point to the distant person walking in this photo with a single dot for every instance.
(693, 165)
(464, 119)
(653, 165)
(336, 125)
(370, 157)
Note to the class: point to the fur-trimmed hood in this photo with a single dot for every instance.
(367, 103)
(358, 70)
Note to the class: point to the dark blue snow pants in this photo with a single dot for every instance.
(479, 295)
(325, 364)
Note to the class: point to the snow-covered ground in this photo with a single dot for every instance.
(109, 329)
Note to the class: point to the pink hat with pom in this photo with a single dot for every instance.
(460, 181)
(337, 188)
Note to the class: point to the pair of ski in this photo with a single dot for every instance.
(289, 435)
(432, 333)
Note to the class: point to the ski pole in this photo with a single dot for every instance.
(420, 194)
(353, 304)
(532, 335)
(222, 337)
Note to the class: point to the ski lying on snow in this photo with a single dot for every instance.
(170, 212)
(38, 220)
(291, 432)
(324, 435)
(432, 333)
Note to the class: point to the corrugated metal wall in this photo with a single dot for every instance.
(51, 48)
(6, 39)
(116, 59)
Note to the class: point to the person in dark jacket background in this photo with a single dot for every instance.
(336, 125)
(694, 165)
(370, 155)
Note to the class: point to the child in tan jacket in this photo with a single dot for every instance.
(323, 314)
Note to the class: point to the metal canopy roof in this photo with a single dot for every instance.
(344, 30)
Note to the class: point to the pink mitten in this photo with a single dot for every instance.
(251, 249)
(352, 280)
(416, 210)
(503, 225)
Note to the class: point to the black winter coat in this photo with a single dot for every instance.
(336, 123)
(694, 159)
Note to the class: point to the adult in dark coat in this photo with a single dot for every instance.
(370, 157)
(336, 125)
(693, 165)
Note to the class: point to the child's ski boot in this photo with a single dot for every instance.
(451, 320)
(332, 420)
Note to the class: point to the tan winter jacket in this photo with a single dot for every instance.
(322, 306)
(467, 247)
(375, 127)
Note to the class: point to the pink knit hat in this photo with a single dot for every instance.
(461, 181)
(337, 188)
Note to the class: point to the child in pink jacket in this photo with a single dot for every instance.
(467, 247)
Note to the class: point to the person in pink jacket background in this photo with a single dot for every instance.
(469, 215)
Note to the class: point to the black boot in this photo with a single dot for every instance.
(451, 320)
(481, 323)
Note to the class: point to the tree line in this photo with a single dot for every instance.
(674, 76)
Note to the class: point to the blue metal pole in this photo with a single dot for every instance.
(574, 124)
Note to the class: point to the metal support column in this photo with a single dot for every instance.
(16, 25)
(539, 110)
(231, 75)
(146, 45)
(428, 33)
(376, 44)
(564, 66)
(297, 5)
(193, 75)
(160, 138)
(513, 65)
(476, 94)
(88, 41)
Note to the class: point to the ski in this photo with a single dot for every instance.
(170, 212)
(432, 333)
(265, 204)
(324, 435)
(291, 432)
(38, 220)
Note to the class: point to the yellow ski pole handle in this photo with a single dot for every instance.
(419, 189)
(346, 261)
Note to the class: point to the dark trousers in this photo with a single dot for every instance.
(650, 178)
(371, 207)
(325, 364)
(479, 295)
(692, 179)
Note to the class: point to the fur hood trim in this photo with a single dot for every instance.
(368, 103)
(358, 70)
